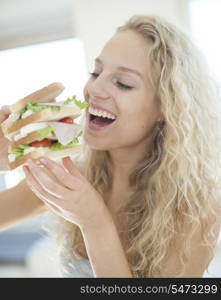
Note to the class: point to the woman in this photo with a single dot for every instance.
(144, 198)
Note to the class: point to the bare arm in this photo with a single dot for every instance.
(105, 251)
(17, 204)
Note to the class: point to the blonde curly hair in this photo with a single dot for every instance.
(177, 184)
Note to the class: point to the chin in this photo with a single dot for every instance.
(95, 144)
(97, 147)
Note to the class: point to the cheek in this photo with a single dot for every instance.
(85, 91)
(137, 124)
(136, 116)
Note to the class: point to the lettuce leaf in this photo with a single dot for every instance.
(75, 141)
(56, 146)
(36, 107)
(45, 132)
(73, 100)
(19, 151)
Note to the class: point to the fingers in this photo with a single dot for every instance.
(6, 109)
(47, 183)
(38, 190)
(59, 172)
(68, 164)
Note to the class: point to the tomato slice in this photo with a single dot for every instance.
(67, 120)
(44, 143)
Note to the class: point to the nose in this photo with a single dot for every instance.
(96, 88)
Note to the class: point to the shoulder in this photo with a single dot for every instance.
(200, 242)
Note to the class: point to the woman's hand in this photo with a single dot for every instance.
(4, 142)
(66, 192)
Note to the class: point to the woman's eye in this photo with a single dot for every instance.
(93, 74)
(117, 83)
(123, 86)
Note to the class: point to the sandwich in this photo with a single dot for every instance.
(40, 126)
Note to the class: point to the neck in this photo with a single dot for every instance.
(124, 160)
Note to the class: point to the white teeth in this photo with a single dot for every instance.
(100, 113)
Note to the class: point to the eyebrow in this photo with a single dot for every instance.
(122, 68)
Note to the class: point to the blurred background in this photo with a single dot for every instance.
(42, 41)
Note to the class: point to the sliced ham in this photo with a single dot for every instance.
(64, 132)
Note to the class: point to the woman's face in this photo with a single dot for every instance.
(120, 84)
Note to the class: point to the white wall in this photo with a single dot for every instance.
(96, 20)
(25, 22)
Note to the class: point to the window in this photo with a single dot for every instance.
(206, 24)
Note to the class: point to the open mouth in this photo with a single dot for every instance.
(100, 121)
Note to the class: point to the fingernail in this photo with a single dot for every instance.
(24, 169)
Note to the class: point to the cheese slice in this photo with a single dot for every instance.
(64, 132)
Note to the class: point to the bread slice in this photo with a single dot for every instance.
(53, 154)
(47, 114)
(46, 94)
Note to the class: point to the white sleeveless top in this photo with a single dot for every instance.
(68, 264)
(77, 269)
(72, 267)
